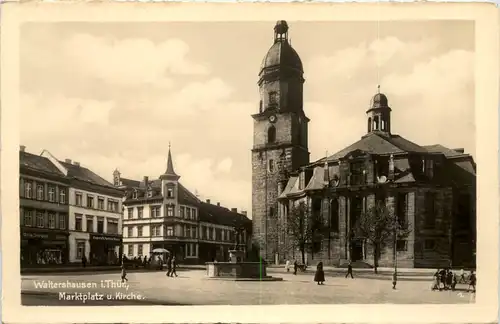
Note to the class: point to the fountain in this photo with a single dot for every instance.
(237, 268)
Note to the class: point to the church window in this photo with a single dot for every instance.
(271, 134)
(271, 165)
(334, 215)
(375, 123)
(271, 212)
(369, 124)
(273, 98)
(260, 106)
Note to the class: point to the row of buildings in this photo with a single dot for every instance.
(68, 212)
(431, 188)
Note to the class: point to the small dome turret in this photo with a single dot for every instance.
(379, 114)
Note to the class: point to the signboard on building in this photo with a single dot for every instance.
(107, 238)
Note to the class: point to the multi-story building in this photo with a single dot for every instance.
(95, 214)
(430, 188)
(162, 213)
(43, 197)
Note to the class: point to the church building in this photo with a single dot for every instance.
(431, 188)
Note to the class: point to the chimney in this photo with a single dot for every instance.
(459, 150)
(244, 212)
(146, 181)
(76, 163)
(234, 210)
(22, 148)
(218, 204)
(208, 201)
(68, 161)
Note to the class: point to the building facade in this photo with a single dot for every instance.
(429, 188)
(95, 214)
(43, 211)
(163, 214)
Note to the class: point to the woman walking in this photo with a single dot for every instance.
(319, 276)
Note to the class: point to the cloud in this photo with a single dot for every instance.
(225, 165)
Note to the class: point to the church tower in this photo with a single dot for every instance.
(379, 114)
(280, 136)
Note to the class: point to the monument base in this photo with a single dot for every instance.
(240, 271)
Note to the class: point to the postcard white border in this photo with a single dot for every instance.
(487, 87)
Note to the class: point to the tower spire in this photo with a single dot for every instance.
(170, 173)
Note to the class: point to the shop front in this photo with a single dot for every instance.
(42, 247)
(105, 249)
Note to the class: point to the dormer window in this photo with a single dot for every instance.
(134, 194)
(150, 193)
(429, 168)
(170, 192)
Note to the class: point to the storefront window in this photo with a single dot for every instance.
(78, 222)
(28, 217)
(52, 220)
(80, 250)
(52, 194)
(39, 219)
(39, 192)
(28, 189)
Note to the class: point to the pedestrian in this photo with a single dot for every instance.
(319, 276)
(449, 279)
(472, 282)
(287, 265)
(174, 266)
(394, 279)
(435, 281)
(124, 274)
(169, 266)
(462, 276)
(442, 278)
(295, 266)
(84, 261)
(349, 270)
(454, 282)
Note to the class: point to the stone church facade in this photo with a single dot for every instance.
(430, 188)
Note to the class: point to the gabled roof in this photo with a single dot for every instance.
(375, 143)
(130, 183)
(438, 148)
(289, 186)
(38, 163)
(220, 215)
(317, 180)
(81, 173)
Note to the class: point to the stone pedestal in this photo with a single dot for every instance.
(236, 256)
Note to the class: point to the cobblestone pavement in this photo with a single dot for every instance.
(193, 288)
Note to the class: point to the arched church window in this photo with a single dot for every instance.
(369, 124)
(382, 125)
(271, 134)
(375, 123)
(260, 106)
(271, 165)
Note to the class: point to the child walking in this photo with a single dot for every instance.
(124, 274)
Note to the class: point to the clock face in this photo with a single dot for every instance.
(272, 118)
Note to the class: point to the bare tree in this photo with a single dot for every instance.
(303, 228)
(380, 227)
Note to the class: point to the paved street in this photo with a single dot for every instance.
(192, 288)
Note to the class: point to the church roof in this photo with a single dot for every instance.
(282, 54)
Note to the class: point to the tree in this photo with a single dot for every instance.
(303, 228)
(380, 227)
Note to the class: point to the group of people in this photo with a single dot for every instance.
(171, 268)
(445, 279)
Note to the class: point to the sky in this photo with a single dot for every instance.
(114, 95)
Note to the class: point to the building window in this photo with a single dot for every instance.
(52, 194)
(39, 192)
(273, 98)
(134, 194)
(100, 203)
(190, 250)
(130, 250)
(90, 202)
(40, 219)
(429, 245)
(187, 231)
(182, 211)
(402, 208)
(139, 231)
(90, 223)
(139, 250)
(112, 226)
(130, 212)
(430, 209)
(52, 220)
(401, 245)
(62, 221)
(271, 165)
(334, 215)
(140, 212)
(150, 193)
(194, 214)
(170, 231)
(302, 180)
(62, 196)
(271, 134)
(429, 168)
(112, 205)
(155, 211)
(170, 192)
(357, 176)
(188, 213)
(28, 217)
(194, 232)
(100, 226)
(80, 249)
(78, 199)
(28, 189)
(78, 222)
(170, 211)
(130, 231)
